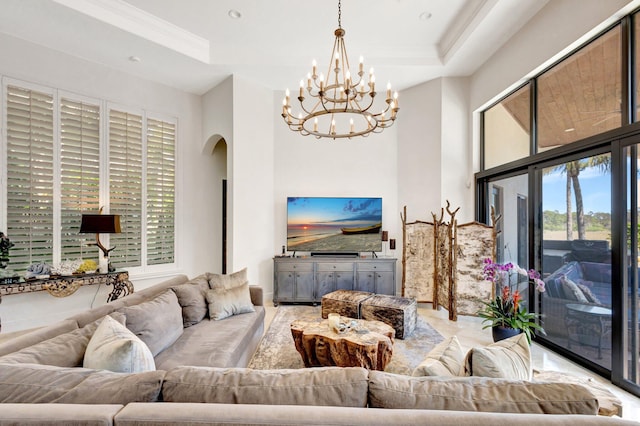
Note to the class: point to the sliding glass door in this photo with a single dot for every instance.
(576, 259)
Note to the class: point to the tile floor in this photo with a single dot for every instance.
(470, 333)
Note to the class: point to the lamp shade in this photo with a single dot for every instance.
(100, 224)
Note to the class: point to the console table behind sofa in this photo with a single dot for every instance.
(64, 286)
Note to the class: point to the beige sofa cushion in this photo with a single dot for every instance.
(33, 383)
(226, 302)
(446, 359)
(191, 299)
(478, 394)
(157, 322)
(507, 359)
(64, 350)
(113, 347)
(227, 280)
(311, 386)
(37, 336)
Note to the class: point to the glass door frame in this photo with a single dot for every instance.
(620, 369)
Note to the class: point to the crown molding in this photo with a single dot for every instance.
(143, 24)
(466, 23)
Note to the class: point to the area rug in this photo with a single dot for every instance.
(277, 350)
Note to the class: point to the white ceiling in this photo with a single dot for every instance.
(194, 44)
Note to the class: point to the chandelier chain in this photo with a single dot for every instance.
(339, 13)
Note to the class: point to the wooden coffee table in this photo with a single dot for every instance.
(367, 344)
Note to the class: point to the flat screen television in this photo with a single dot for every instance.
(334, 224)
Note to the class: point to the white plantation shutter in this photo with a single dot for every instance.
(57, 161)
(125, 186)
(79, 175)
(30, 179)
(160, 187)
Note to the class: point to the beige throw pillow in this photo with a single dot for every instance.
(572, 291)
(508, 359)
(113, 347)
(224, 303)
(157, 322)
(446, 359)
(228, 281)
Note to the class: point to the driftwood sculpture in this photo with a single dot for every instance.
(442, 262)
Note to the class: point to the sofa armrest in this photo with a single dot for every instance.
(257, 297)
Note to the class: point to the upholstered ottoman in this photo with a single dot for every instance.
(399, 312)
(344, 302)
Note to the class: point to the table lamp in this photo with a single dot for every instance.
(101, 224)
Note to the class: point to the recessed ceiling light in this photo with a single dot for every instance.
(134, 58)
(234, 14)
(424, 16)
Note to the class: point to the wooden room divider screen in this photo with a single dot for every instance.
(442, 262)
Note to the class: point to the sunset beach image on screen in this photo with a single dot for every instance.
(334, 224)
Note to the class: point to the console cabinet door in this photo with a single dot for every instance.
(385, 283)
(304, 286)
(325, 283)
(366, 281)
(285, 287)
(345, 280)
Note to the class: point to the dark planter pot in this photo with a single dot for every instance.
(500, 333)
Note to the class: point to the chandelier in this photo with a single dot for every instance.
(342, 105)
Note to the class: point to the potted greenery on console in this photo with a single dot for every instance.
(505, 313)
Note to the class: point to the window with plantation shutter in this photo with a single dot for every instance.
(79, 175)
(65, 155)
(30, 177)
(160, 191)
(125, 186)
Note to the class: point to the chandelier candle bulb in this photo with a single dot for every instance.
(314, 65)
(389, 90)
(351, 125)
(361, 66)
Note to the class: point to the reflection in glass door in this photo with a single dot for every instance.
(509, 202)
(631, 301)
(576, 257)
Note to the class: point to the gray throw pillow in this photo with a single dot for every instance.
(225, 302)
(157, 322)
(191, 298)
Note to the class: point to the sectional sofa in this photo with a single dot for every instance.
(199, 336)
